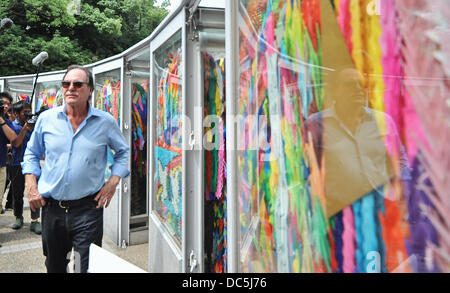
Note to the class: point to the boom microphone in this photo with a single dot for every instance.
(6, 23)
(39, 59)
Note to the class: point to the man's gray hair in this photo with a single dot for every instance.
(86, 70)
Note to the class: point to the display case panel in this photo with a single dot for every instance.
(108, 98)
(337, 153)
(167, 71)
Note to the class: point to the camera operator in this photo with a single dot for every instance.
(23, 128)
(7, 134)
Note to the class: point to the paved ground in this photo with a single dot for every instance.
(21, 250)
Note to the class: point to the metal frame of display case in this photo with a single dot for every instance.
(232, 76)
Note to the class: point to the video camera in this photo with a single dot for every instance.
(32, 118)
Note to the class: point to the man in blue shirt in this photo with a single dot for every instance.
(23, 131)
(7, 134)
(71, 190)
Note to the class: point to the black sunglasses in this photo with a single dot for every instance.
(77, 84)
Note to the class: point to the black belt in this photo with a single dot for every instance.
(66, 204)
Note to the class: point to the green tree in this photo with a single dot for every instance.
(95, 31)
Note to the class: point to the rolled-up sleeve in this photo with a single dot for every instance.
(122, 152)
(34, 152)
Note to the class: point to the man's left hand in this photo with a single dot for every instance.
(105, 194)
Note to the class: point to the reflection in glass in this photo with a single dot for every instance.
(168, 147)
(346, 136)
(338, 157)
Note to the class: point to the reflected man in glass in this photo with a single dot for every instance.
(351, 138)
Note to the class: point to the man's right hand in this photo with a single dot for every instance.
(34, 198)
(36, 202)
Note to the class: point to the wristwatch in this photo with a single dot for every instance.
(1, 124)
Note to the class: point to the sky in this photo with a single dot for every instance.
(173, 4)
(208, 3)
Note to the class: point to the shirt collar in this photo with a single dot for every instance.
(91, 110)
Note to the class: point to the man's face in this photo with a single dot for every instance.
(350, 90)
(75, 88)
(22, 117)
(6, 105)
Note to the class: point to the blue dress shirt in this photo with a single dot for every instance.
(75, 163)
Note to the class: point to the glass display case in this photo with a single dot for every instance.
(337, 154)
(168, 79)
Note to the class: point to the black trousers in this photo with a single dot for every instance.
(17, 188)
(9, 197)
(64, 229)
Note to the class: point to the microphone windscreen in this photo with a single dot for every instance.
(6, 23)
(40, 58)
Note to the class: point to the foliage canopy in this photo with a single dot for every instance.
(72, 31)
